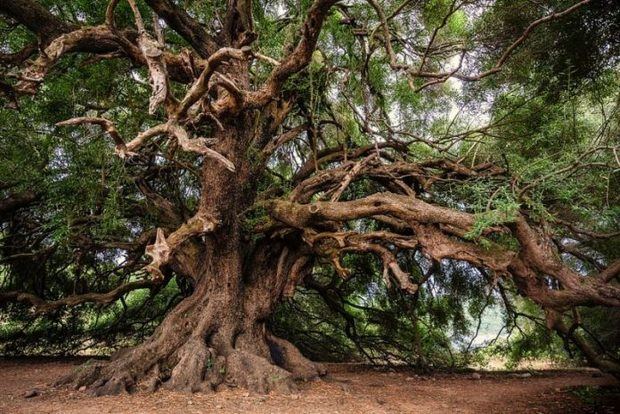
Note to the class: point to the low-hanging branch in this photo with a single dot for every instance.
(353, 175)
(430, 223)
(43, 306)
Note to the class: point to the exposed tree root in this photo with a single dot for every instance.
(194, 359)
(83, 375)
(287, 356)
(196, 367)
(257, 374)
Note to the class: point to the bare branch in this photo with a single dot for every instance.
(197, 145)
(504, 57)
(299, 58)
(201, 85)
(43, 306)
(107, 126)
(36, 19)
(152, 51)
(185, 25)
(357, 167)
(365, 242)
(109, 13)
(164, 248)
(98, 38)
(283, 138)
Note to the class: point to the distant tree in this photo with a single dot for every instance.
(286, 137)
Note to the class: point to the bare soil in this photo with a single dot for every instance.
(346, 389)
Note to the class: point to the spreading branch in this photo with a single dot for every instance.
(43, 306)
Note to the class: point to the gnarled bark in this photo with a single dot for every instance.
(217, 337)
(214, 338)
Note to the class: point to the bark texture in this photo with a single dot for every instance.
(217, 336)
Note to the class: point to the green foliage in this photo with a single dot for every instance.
(90, 329)
(504, 212)
(541, 118)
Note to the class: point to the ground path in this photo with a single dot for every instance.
(343, 391)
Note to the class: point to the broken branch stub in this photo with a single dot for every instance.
(198, 145)
(160, 253)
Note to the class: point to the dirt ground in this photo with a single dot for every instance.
(344, 390)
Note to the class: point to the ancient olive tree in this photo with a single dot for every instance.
(281, 136)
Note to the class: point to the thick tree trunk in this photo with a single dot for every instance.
(216, 337)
